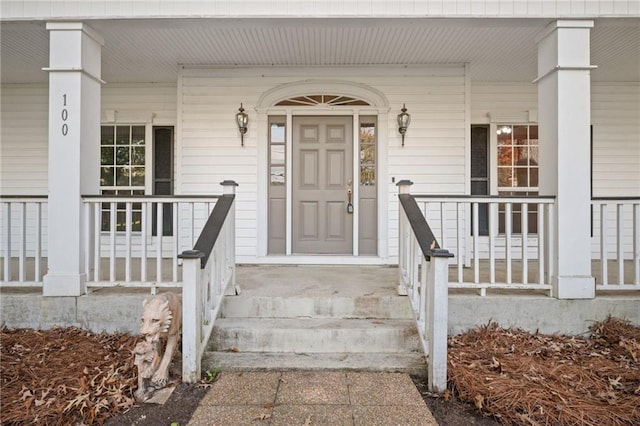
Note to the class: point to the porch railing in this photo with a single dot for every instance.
(616, 229)
(23, 234)
(423, 269)
(134, 241)
(508, 244)
(208, 271)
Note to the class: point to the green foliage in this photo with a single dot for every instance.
(210, 376)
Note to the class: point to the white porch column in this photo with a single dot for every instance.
(564, 104)
(74, 149)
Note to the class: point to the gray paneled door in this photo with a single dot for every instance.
(322, 176)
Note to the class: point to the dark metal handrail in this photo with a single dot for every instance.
(427, 241)
(209, 235)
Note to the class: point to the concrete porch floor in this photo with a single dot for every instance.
(167, 270)
(111, 309)
(345, 281)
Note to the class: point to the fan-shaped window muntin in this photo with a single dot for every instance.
(326, 100)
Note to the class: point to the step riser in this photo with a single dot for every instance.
(317, 307)
(414, 363)
(316, 340)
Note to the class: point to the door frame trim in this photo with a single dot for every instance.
(380, 109)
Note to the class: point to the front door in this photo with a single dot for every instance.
(322, 185)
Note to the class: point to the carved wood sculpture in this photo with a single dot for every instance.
(147, 359)
(161, 323)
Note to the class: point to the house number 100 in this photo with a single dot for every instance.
(65, 116)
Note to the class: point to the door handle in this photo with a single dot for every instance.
(349, 204)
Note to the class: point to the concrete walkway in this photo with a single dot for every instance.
(312, 399)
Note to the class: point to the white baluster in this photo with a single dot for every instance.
(604, 254)
(508, 236)
(541, 242)
(620, 242)
(38, 254)
(112, 242)
(6, 248)
(492, 242)
(524, 217)
(23, 241)
(127, 243)
(636, 243)
(476, 245)
(176, 245)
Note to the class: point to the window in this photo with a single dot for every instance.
(276, 152)
(517, 161)
(367, 153)
(368, 188)
(277, 191)
(122, 171)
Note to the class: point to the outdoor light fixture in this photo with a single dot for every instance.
(404, 118)
(504, 130)
(242, 120)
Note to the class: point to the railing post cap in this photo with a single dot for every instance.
(404, 182)
(191, 254)
(229, 187)
(440, 252)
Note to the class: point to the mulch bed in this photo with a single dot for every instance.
(71, 376)
(536, 379)
(65, 376)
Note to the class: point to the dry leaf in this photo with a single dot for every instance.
(267, 405)
(307, 422)
(478, 400)
(263, 416)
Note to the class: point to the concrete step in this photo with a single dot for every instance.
(366, 306)
(317, 335)
(411, 363)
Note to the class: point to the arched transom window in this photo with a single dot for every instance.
(327, 100)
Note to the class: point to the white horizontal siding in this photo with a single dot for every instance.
(16, 9)
(433, 156)
(24, 139)
(615, 114)
(134, 102)
(502, 99)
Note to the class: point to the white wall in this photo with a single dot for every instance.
(16, 9)
(135, 103)
(615, 115)
(209, 152)
(24, 136)
(433, 156)
(24, 139)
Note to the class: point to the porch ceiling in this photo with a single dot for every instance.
(152, 50)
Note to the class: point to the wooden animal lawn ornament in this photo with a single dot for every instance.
(161, 326)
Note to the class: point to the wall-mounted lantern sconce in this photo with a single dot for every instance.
(404, 118)
(242, 120)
